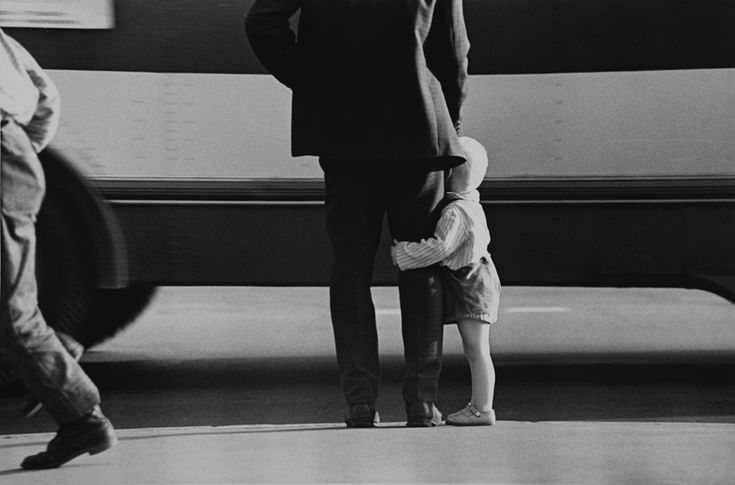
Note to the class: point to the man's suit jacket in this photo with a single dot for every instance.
(371, 79)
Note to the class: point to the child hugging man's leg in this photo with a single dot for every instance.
(471, 283)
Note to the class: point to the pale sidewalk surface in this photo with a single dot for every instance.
(510, 452)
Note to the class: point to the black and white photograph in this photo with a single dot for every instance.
(367, 241)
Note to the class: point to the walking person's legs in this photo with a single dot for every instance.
(76, 350)
(27, 344)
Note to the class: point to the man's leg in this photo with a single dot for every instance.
(27, 344)
(411, 218)
(354, 220)
(75, 349)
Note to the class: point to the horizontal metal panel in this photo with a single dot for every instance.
(624, 244)
(532, 190)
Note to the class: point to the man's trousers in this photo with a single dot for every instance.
(357, 201)
(27, 344)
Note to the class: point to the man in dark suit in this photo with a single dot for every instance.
(377, 90)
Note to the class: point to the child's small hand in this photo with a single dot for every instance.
(393, 253)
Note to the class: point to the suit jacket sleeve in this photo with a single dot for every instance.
(446, 49)
(271, 37)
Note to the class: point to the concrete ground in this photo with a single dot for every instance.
(510, 452)
(238, 385)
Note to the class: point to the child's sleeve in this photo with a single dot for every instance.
(448, 235)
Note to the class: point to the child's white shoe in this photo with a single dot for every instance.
(470, 416)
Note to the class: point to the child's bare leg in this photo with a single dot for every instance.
(476, 344)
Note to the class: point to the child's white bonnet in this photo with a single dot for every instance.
(476, 160)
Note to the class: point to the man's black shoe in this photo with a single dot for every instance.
(361, 416)
(422, 414)
(92, 433)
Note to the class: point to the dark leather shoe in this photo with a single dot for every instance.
(361, 416)
(92, 433)
(422, 414)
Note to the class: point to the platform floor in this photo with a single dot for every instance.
(510, 452)
(595, 386)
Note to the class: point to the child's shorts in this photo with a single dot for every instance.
(472, 292)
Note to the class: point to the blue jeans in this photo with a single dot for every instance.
(357, 200)
(27, 344)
